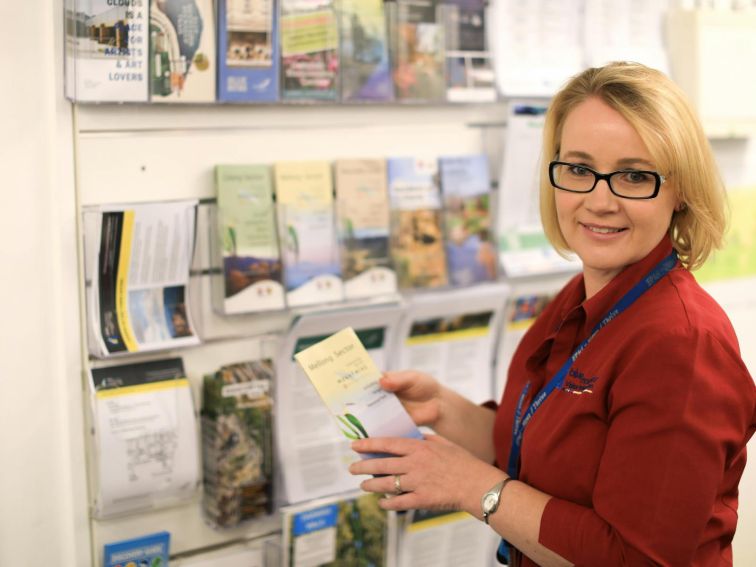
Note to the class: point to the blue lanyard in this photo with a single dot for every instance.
(521, 420)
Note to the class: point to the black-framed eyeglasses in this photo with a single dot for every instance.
(625, 183)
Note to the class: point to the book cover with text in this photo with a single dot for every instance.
(182, 51)
(248, 51)
(107, 48)
(309, 50)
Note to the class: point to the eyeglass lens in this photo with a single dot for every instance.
(633, 184)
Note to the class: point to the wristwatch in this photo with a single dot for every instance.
(490, 501)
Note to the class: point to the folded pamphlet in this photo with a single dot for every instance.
(346, 379)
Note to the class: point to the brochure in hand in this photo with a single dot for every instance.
(346, 379)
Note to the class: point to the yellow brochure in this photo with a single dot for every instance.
(346, 379)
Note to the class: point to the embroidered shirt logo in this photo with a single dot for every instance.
(578, 383)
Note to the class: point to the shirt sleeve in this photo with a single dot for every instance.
(679, 415)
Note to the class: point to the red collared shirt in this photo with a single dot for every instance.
(643, 445)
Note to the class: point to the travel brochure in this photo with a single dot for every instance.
(237, 442)
(470, 248)
(349, 530)
(308, 437)
(263, 51)
(417, 241)
(452, 337)
(346, 379)
(363, 213)
(145, 437)
(307, 231)
(137, 260)
(246, 239)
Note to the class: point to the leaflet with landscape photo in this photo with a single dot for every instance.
(145, 436)
(451, 336)
(307, 230)
(245, 242)
(346, 379)
(313, 454)
(466, 190)
(137, 266)
(362, 207)
(349, 529)
(417, 241)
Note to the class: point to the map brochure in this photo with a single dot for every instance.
(145, 437)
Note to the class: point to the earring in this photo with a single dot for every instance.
(681, 207)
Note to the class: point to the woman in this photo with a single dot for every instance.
(632, 451)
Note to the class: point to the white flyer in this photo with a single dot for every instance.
(145, 436)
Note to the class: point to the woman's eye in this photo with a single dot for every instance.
(579, 170)
(636, 177)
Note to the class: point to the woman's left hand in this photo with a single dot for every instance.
(434, 473)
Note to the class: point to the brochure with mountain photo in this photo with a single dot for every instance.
(417, 242)
(247, 242)
(237, 442)
(362, 208)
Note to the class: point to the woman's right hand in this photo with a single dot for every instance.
(420, 394)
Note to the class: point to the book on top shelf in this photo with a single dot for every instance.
(469, 64)
(237, 442)
(247, 241)
(309, 50)
(466, 190)
(248, 51)
(417, 244)
(182, 51)
(365, 65)
(107, 50)
(416, 43)
(362, 207)
(307, 232)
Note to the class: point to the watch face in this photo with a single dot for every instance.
(489, 501)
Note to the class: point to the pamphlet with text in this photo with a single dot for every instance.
(347, 381)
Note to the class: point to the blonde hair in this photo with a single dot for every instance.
(668, 126)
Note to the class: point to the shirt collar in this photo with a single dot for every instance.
(600, 304)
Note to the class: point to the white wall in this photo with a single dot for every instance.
(40, 443)
(43, 517)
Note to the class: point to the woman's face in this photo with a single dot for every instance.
(609, 232)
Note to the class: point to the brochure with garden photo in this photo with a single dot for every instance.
(347, 381)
